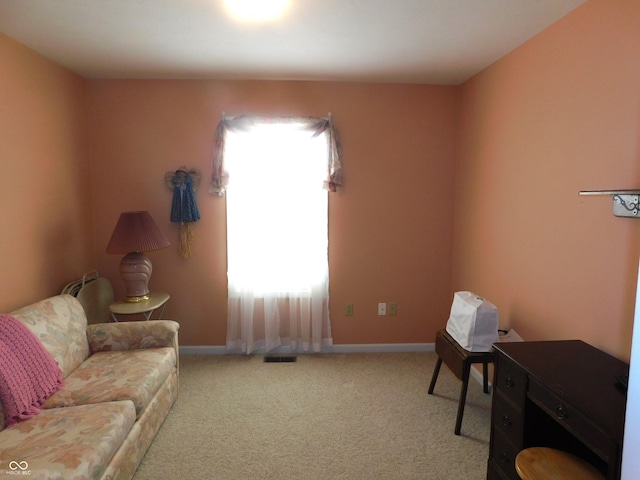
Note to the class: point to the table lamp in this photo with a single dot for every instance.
(135, 233)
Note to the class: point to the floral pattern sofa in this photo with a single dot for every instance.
(121, 380)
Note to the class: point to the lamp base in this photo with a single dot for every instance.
(142, 298)
(135, 271)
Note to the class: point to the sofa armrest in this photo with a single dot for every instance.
(133, 335)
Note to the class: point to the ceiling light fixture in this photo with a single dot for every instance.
(256, 10)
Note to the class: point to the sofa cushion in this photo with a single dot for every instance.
(67, 443)
(61, 326)
(134, 375)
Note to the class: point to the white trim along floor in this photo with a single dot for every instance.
(350, 348)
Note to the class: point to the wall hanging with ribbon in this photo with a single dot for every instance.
(184, 210)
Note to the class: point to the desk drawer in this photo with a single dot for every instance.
(503, 456)
(494, 472)
(507, 419)
(511, 381)
(572, 420)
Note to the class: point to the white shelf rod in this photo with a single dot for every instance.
(626, 203)
(610, 192)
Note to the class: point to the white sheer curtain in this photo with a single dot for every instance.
(277, 236)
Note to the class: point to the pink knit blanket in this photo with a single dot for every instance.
(28, 372)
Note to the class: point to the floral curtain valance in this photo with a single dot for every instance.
(315, 125)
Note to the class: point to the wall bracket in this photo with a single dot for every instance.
(626, 203)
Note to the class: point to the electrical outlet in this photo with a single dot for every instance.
(348, 309)
(393, 309)
(382, 309)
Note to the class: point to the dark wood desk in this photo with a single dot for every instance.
(559, 394)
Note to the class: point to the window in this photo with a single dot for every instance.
(276, 208)
(277, 233)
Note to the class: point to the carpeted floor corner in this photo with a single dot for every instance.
(328, 416)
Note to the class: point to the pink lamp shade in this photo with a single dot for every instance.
(135, 233)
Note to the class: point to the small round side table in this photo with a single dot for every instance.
(157, 300)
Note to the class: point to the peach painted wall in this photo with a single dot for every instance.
(44, 199)
(390, 227)
(558, 115)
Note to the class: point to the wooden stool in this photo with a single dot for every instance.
(459, 361)
(542, 463)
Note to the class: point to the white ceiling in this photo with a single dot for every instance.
(407, 41)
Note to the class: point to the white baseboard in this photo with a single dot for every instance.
(382, 347)
(344, 348)
(203, 350)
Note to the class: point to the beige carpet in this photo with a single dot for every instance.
(329, 416)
